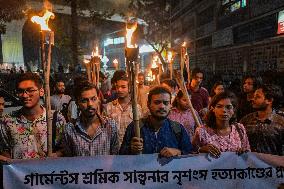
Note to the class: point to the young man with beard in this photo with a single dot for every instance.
(158, 133)
(250, 84)
(58, 100)
(121, 109)
(199, 95)
(265, 129)
(92, 134)
(23, 134)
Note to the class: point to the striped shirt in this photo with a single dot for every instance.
(76, 141)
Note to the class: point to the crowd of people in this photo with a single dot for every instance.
(99, 121)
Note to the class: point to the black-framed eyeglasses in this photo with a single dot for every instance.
(28, 91)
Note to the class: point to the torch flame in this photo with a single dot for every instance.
(154, 64)
(96, 53)
(43, 21)
(170, 56)
(129, 33)
(184, 44)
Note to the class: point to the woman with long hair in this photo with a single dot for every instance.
(221, 133)
(181, 113)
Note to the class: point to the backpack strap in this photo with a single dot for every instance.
(240, 132)
(176, 127)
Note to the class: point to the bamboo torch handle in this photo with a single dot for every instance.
(180, 81)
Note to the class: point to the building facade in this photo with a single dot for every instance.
(230, 36)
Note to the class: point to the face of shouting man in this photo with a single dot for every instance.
(160, 105)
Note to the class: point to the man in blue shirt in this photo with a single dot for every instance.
(158, 133)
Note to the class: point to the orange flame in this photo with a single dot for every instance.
(129, 33)
(43, 21)
(154, 64)
(184, 44)
(95, 53)
(170, 56)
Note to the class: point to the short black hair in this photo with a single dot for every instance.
(272, 92)
(158, 90)
(170, 82)
(117, 74)
(84, 86)
(123, 78)
(30, 76)
(141, 74)
(195, 71)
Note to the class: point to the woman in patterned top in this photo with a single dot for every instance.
(221, 133)
(181, 113)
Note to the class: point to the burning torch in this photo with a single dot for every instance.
(131, 54)
(47, 39)
(96, 66)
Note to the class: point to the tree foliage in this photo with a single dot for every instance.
(10, 10)
(156, 14)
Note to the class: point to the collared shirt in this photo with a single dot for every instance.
(26, 139)
(199, 98)
(230, 143)
(76, 141)
(57, 102)
(142, 98)
(265, 136)
(186, 119)
(154, 142)
(123, 117)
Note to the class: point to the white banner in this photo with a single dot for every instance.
(250, 170)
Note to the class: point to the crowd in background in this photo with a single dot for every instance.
(239, 116)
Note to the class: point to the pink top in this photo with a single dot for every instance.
(186, 119)
(230, 143)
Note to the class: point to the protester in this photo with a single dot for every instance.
(142, 94)
(181, 113)
(121, 109)
(2, 105)
(221, 133)
(158, 133)
(199, 95)
(59, 100)
(250, 84)
(113, 96)
(264, 127)
(217, 88)
(172, 85)
(92, 134)
(23, 134)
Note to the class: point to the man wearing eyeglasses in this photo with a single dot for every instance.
(23, 134)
